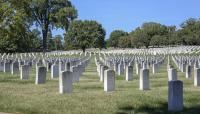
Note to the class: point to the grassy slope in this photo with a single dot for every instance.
(88, 96)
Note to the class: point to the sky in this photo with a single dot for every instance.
(129, 14)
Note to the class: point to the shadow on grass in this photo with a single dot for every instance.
(163, 109)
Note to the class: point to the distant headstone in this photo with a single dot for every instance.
(172, 74)
(138, 67)
(144, 65)
(65, 82)
(154, 68)
(41, 75)
(14, 67)
(75, 73)
(54, 71)
(67, 66)
(61, 67)
(103, 68)
(24, 72)
(183, 67)
(120, 69)
(188, 71)
(129, 73)
(1, 66)
(109, 80)
(116, 67)
(144, 79)
(197, 77)
(7, 67)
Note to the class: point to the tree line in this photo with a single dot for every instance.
(156, 34)
(27, 25)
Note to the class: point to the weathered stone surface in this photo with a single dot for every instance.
(109, 80)
(188, 71)
(138, 67)
(129, 73)
(40, 75)
(65, 82)
(67, 66)
(175, 95)
(120, 69)
(144, 79)
(24, 72)
(75, 73)
(103, 68)
(197, 77)
(172, 74)
(54, 71)
(7, 67)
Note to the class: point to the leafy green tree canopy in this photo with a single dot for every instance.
(114, 38)
(84, 34)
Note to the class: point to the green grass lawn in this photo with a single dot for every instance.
(88, 97)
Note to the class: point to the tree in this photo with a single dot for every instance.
(36, 41)
(151, 29)
(125, 42)
(15, 32)
(84, 34)
(171, 36)
(138, 38)
(48, 14)
(52, 45)
(189, 33)
(58, 42)
(142, 36)
(157, 40)
(114, 38)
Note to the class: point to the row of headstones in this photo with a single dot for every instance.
(13, 66)
(183, 49)
(67, 77)
(186, 66)
(36, 55)
(186, 59)
(172, 75)
(10, 67)
(24, 68)
(175, 87)
(155, 51)
(175, 90)
(129, 58)
(119, 66)
(56, 70)
(102, 67)
(62, 65)
(144, 75)
(110, 60)
(31, 59)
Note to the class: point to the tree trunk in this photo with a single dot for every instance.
(83, 48)
(44, 36)
(45, 26)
